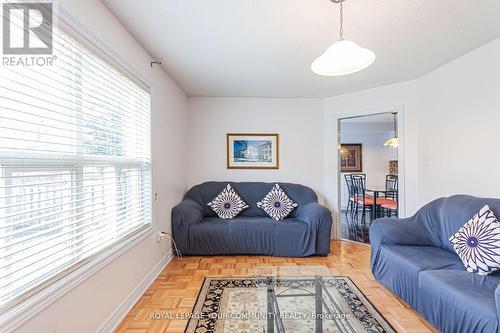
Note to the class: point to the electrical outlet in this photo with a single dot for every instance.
(160, 236)
(157, 196)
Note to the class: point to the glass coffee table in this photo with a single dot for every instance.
(280, 303)
(299, 304)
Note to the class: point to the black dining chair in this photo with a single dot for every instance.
(351, 200)
(391, 186)
(351, 196)
(361, 198)
(389, 204)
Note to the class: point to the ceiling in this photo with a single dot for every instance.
(379, 122)
(376, 118)
(264, 48)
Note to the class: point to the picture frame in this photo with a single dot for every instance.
(252, 151)
(351, 157)
(393, 167)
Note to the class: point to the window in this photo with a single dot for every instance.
(75, 165)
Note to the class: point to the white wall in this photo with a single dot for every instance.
(87, 306)
(297, 121)
(459, 126)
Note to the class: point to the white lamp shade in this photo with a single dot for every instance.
(392, 142)
(342, 58)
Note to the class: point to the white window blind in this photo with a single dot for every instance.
(75, 165)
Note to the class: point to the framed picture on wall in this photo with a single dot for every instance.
(252, 151)
(351, 157)
(393, 168)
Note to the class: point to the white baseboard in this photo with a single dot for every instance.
(112, 322)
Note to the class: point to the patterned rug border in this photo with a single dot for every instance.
(366, 302)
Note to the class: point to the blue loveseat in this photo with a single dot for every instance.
(414, 259)
(198, 231)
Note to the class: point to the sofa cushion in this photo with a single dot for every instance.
(277, 204)
(458, 301)
(228, 204)
(397, 267)
(243, 235)
(477, 242)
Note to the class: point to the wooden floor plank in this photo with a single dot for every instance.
(176, 289)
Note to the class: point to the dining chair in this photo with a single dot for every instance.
(361, 198)
(351, 196)
(391, 186)
(389, 204)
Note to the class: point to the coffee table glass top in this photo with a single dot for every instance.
(284, 299)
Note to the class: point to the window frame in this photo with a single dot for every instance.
(38, 298)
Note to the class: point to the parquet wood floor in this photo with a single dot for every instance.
(176, 289)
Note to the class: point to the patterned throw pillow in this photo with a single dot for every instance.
(277, 204)
(228, 204)
(477, 243)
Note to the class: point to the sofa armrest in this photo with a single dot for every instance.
(311, 212)
(185, 215)
(319, 219)
(391, 231)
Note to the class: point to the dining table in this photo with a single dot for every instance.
(376, 191)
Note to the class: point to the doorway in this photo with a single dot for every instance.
(369, 175)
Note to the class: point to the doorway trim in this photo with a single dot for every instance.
(399, 109)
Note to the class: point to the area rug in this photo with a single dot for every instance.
(284, 305)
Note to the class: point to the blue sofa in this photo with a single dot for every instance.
(198, 231)
(415, 260)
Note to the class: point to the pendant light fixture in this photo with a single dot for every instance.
(344, 56)
(394, 141)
